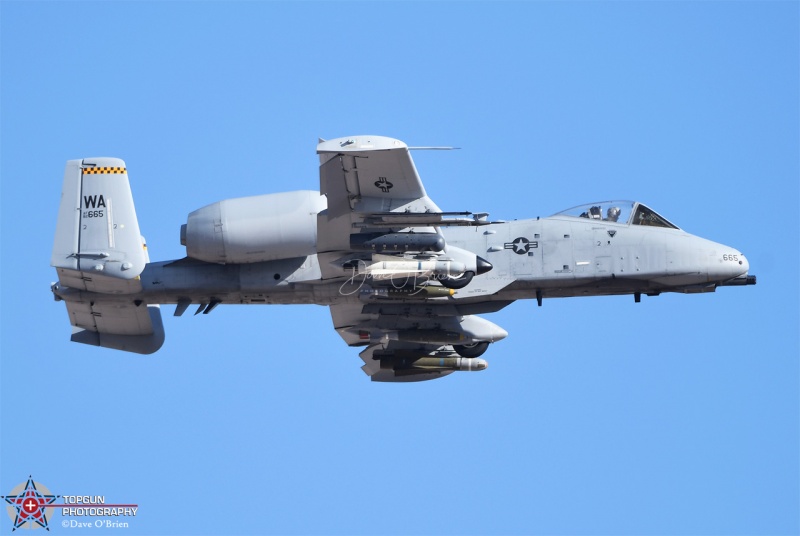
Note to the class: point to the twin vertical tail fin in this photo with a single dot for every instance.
(97, 234)
(98, 249)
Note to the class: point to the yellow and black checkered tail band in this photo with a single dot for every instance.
(103, 170)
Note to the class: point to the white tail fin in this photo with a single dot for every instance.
(98, 248)
(97, 236)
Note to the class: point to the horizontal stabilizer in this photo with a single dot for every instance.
(120, 326)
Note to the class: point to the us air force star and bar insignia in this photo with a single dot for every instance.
(383, 184)
(521, 245)
(29, 504)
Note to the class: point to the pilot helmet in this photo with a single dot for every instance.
(613, 213)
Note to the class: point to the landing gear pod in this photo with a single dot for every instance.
(473, 350)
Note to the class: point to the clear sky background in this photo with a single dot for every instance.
(677, 415)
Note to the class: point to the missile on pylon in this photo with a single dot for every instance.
(404, 367)
(452, 363)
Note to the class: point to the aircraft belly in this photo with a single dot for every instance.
(192, 281)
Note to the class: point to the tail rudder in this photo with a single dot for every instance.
(97, 235)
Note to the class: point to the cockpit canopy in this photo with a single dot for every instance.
(625, 212)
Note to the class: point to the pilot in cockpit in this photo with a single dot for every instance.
(613, 214)
(595, 213)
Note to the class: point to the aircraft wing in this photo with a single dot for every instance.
(369, 173)
(408, 342)
(401, 306)
(372, 185)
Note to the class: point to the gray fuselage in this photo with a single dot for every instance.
(559, 256)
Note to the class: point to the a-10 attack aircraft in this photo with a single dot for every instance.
(402, 278)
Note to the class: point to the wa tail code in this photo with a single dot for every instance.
(94, 201)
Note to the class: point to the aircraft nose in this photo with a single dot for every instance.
(698, 261)
(744, 263)
(727, 263)
(738, 274)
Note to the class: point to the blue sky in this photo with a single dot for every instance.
(677, 415)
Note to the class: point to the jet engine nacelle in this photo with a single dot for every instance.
(254, 229)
